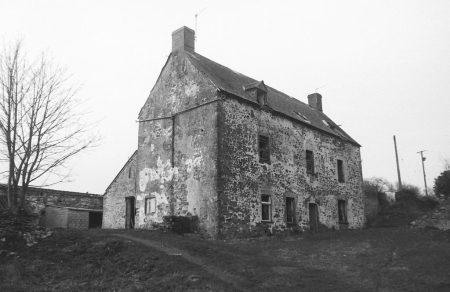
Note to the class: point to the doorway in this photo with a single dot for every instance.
(313, 217)
(95, 219)
(290, 210)
(130, 203)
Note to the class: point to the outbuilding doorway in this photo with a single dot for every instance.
(95, 219)
(130, 205)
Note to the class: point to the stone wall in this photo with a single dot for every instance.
(242, 178)
(38, 198)
(177, 148)
(77, 219)
(124, 185)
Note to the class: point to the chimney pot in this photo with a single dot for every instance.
(315, 101)
(183, 39)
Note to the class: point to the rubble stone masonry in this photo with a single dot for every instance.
(243, 178)
(114, 199)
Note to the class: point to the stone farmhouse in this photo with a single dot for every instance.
(235, 155)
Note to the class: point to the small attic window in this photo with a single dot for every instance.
(303, 117)
(261, 97)
(258, 91)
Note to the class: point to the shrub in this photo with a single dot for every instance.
(442, 184)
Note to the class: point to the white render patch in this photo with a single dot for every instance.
(160, 198)
(191, 163)
(192, 89)
(163, 172)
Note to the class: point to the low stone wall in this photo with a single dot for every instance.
(38, 198)
(438, 219)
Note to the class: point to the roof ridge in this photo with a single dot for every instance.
(233, 82)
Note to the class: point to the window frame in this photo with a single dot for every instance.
(264, 152)
(340, 170)
(266, 204)
(148, 205)
(309, 160)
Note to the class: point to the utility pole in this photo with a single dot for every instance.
(423, 169)
(398, 166)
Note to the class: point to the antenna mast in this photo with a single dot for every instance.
(196, 16)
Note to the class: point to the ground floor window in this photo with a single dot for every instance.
(290, 210)
(266, 208)
(342, 211)
(150, 205)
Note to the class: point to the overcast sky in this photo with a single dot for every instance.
(383, 67)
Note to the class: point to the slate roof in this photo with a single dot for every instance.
(235, 83)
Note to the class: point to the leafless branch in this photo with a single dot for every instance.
(40, 128)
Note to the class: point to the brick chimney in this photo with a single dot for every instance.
(315, 101)
(183, 39)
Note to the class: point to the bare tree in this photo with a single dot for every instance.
(40, 128)
(446, 163)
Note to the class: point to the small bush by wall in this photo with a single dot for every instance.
(181, 224)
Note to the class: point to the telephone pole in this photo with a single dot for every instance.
(423, 169)
(398, 166)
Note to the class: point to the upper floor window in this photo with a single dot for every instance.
(264, 149)
(340, 171)
(309, 162)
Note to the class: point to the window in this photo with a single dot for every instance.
(290, 210)
(303, 117)
(264, 149)
(150, 205)
(340, 170)
(342, 211)
(261, 97)
(309, 162)
(266, 208)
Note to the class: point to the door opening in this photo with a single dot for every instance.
(313, 217)
(95, 219)
(290, 210)
(130, 203)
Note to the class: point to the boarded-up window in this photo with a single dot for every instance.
(266, 208)
(342, 211)
(264, 149)
(340, 171)
(150, 205)
(290, 210)
(309, 162)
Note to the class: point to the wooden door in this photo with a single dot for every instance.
(130, 205)
(313, 217)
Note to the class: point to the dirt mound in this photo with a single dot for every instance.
(438, 218)
(18, 231)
